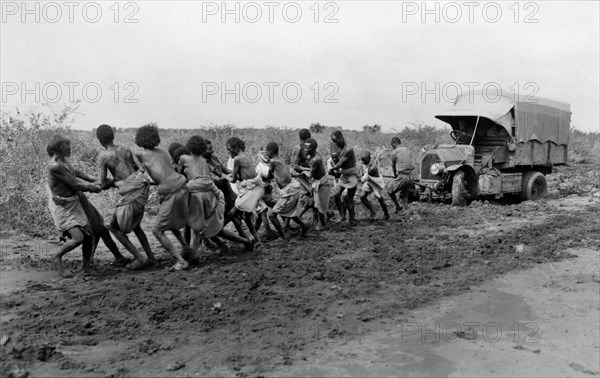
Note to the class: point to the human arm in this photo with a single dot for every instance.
(62, 175)
(105, 182)
(366, 170)
(137, 162)
(295, 161)
(234, 175)
(84, 176)
(344, 157)
(394, 165)
(271, 172)
(226, 170)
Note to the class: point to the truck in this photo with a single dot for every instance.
(504, 143)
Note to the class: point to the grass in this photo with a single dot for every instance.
(23, 158)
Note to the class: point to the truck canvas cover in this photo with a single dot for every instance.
(534, 118)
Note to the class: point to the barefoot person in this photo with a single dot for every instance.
(207, 203)
(289, 191)
(128, 177)
(333, 159)
(300, 171)
(321, 185)
(172, 189)
(64, 202)
(349, 178)
(249, 184)
(268, 200)
(402, 166)
(372, 183)
(219, 172)
(175, 156)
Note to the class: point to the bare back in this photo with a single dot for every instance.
(62, 179)
(243, 168)
(119, 162)
(157, 163)
(195, 167)
(280, 172)
(317, 168)
(347, 158)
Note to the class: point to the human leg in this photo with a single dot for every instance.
(350, 205)
(75, 241)
(141, 235)
(139, 259)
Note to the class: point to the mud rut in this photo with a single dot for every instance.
(247, 312)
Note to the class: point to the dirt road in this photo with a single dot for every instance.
(490, 289)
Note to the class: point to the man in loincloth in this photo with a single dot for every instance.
(348, 179)
(402, 166)
(249, 185)
(372, 182)
(321, 185)
(206, 204)
(333, 159)
(64, 203)
(176, 156)
(172, 189)
(268, 200)
(289, 191)
(219, 171)
(128, 177)
(300, 170)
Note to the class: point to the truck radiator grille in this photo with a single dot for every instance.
(426, 163)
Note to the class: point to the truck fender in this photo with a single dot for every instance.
(470, 176)
(453, 168)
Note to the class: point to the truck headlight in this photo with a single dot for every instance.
(436, 169)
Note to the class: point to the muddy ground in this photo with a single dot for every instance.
(295, 307)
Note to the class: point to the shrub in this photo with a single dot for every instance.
(372, 129)
(316, 128)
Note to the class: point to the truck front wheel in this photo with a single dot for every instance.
(534, 186)
(459, 189)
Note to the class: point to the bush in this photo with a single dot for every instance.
(372, 129)
(23, 189)
(316, 128)
(584, 147)
(23, 139)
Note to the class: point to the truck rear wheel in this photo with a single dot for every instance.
(459, 189)
(534, 186)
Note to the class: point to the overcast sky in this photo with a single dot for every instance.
(369, 63)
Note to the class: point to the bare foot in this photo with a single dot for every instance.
(271, 235)
(372, 215)
(398, 209)
(152, 261)
(86, 266)
(187, 253)
(121, 261)
(249, 244)
(304, 231)
(386, 216)
(137, 263)
(180, 266)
